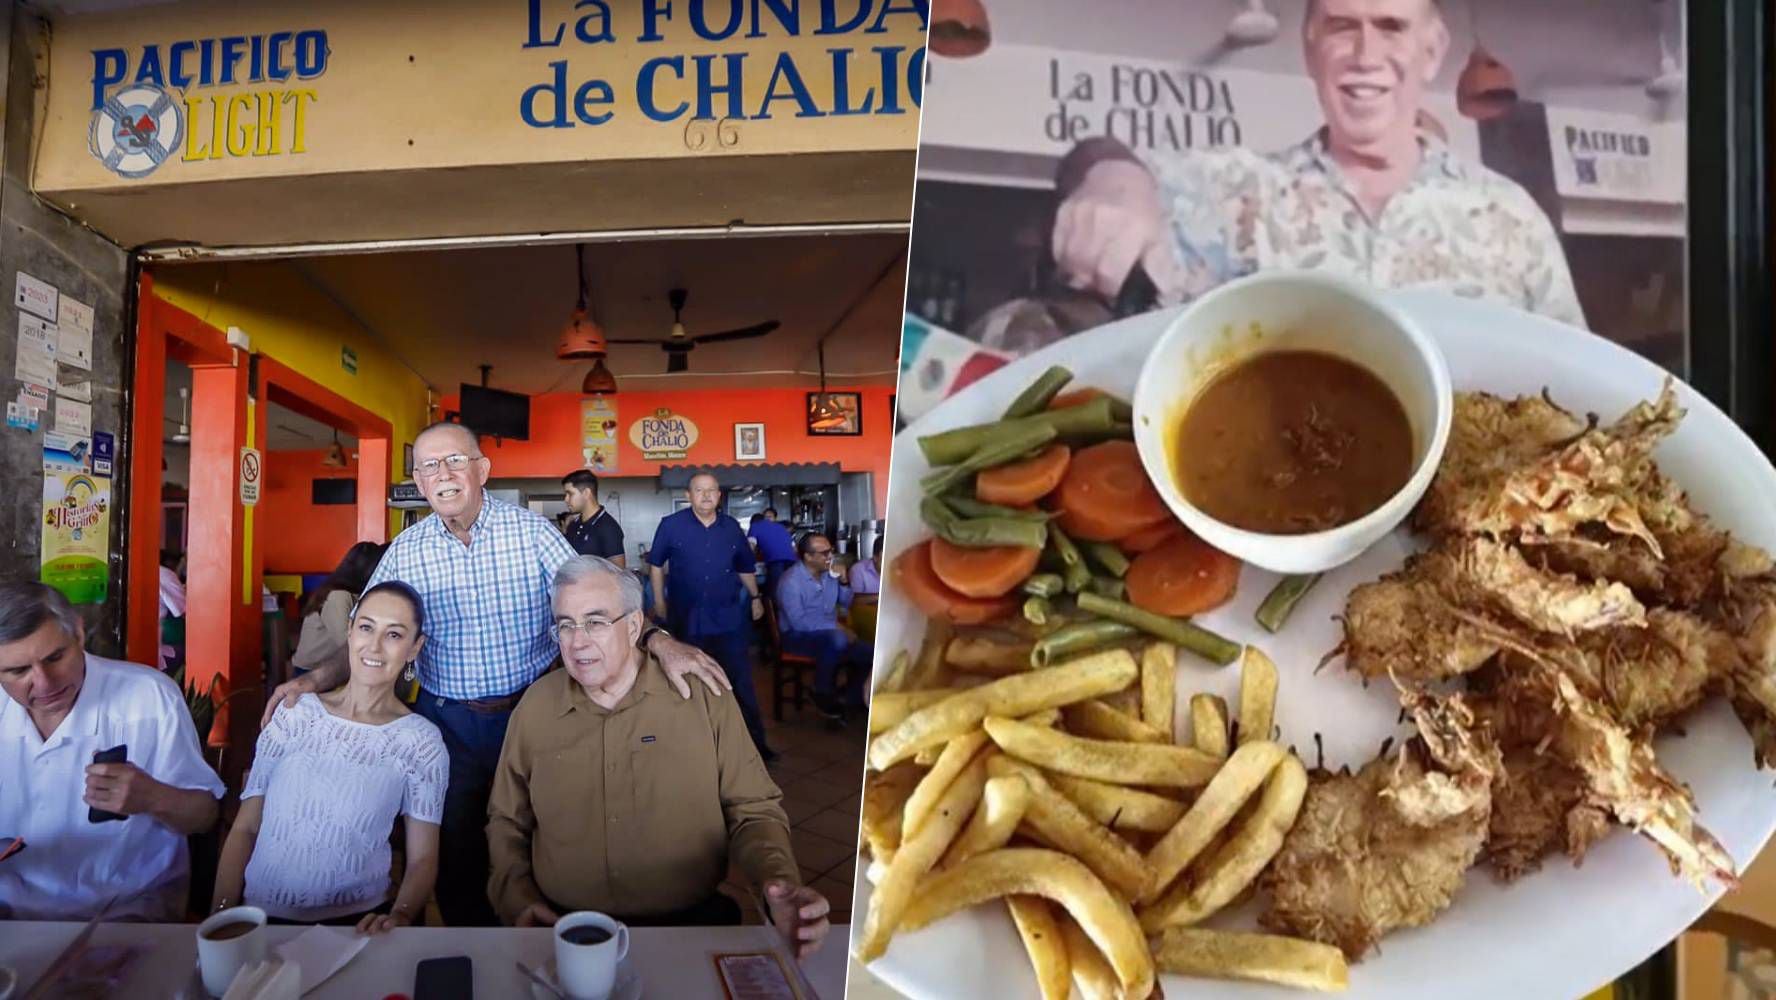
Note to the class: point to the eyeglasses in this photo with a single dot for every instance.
(455, 463)
(594, 626)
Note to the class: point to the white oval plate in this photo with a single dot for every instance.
(1558, 933)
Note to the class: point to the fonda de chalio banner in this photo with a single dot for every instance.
(664, 436)
(76, 519)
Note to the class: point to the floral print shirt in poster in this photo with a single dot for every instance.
(1456, 226)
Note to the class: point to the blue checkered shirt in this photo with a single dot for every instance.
(487, 612)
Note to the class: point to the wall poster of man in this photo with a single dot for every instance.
(1083, 169)
(749, 442)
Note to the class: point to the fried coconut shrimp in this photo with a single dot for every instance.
(1390, 845)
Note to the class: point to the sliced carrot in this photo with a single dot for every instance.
(1106, 494)
(1023, 483)
(1074, 397)
(911, 572)
(1183, 576)
(1147, 538)
(984, 572)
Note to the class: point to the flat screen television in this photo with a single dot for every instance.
(495, 412)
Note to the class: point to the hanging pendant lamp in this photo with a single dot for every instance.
(959, 28)
(583, 340)
(825, 415)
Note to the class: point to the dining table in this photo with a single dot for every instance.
(669, 961)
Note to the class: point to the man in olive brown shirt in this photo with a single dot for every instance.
(612, 796)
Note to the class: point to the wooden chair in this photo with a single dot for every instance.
(786, 668)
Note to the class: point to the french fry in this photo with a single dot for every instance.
(1017, 695)
(1118, 807)
(1236, 863)
(1046, 717)
(1268, 958)
(982, 655)
(1106, 919)
(1100, 721)
(877, 870)
(928, 666)
(1244, 772)
(1035, 921)
(897, 674)
(1091, 971)
(1002, 808)
(1159, 687)
(1208, 723)
(890, 902)
(1258, 695)
(955, 756)
(1126, 701)
(1119, 763)
(884, 797)
(1069, 829)
(888, 708)
(927, 757)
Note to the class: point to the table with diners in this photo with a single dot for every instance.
(671, 961)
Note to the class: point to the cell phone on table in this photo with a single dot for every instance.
(116, 755)
(444, 979)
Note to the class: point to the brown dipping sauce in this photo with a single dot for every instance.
(232, 929)
(1292, 442)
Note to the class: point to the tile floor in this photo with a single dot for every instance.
(821, 774)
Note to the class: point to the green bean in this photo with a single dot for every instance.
(1078, 638)
(1073, 568)
(1108, 557)
(1282, 600)
(1180, 631)
(952, 447)
(996, 451)
(1045, 585)
(987, 532)
(970, 507)
(1037, 611)
(936, 513)
(1106, 586)
(1122, 410)
(1041, 392)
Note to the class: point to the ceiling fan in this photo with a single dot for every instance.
(183, 434)
(678, 344)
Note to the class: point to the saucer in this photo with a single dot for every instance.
(626, 987)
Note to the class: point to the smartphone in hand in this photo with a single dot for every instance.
(116, 755)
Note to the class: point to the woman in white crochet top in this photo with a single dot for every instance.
(311, 843)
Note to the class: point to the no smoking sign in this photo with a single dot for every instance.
(252, 466)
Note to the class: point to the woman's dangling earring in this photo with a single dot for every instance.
(407, 673)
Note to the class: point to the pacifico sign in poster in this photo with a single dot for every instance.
(663, 437)
(598, 434)
(76, 521)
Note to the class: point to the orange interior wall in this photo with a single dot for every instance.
(554, 445)
(299, 536)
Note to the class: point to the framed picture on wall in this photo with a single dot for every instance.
(407, 460)
(749, 442)
(849, 421)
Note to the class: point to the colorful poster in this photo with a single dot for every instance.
(76, 520)
(598, 433)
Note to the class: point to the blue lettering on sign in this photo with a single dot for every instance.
(872, 80)
(223, 61)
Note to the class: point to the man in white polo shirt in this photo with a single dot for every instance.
(63, 705)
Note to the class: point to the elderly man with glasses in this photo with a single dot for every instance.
(482, 567)
(612, 795)
(808, 602)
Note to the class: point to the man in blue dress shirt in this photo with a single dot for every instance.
(808, 599)
(707, 553)
(774, 546)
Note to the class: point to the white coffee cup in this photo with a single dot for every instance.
(587, 971)
(221, 959)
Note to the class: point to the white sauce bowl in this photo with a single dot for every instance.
(1292, 311)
